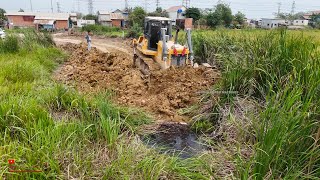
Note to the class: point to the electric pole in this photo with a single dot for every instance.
(279, 8)
(90, 6)
(145, 5)
(31, 6)
(51, 7)
(58, 7)
(126, 5)
(293, 7)
(78, 1)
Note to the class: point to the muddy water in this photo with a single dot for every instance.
(175, 138)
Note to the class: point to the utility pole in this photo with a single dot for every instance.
(293, 7)
(31, 6)
(78, 1)
(90, 6)
(58, 7)
(126, 5)
(51, 7)
(145, 5)
(279, 8)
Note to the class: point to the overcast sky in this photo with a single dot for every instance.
(252, 8)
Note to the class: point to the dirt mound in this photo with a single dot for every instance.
(163, 94)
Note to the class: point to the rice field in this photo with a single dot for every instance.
(269, 129)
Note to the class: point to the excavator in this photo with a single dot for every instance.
(158, 49)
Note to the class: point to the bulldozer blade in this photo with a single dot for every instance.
(139, 63)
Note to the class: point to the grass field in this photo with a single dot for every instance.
(47, 126)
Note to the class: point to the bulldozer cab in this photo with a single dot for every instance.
(152, 30)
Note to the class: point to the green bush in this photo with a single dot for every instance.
(99, 29)
(135, 31)
(9, 45)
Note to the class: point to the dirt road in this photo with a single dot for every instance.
(109, 66)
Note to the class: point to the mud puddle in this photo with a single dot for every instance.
(175, 139)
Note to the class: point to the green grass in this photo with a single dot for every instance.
(47, 126)
(280, 70)
(105, 31)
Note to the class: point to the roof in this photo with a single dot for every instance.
(52, 16)
(103, 12)
(116, 16)
(175, 8)
(40, 15)
(158, 18)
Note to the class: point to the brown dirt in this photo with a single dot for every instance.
(162, 95)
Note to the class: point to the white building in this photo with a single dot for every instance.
(176, 12)
(83, 22)
(272, 23)
(300, 22)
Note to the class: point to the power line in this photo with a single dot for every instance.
(90, 6)
(279, 8)
(51, 7)
(31, 6)
(126, 5)
(293, 7)
(58, 7)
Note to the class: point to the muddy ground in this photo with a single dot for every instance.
(162, 95)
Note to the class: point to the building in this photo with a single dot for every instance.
(176, 12)
(83, 22)
(104, 18)
(272, 23)
(116, 18)
(308, 15)
(36, 20)
(299, 22)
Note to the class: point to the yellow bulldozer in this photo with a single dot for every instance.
(157, 48)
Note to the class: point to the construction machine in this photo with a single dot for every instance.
(158, 49)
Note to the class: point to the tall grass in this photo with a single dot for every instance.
(281, 70)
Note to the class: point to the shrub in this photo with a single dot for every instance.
(9, 45)
(134, 31)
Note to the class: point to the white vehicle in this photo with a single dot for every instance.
(2, 34)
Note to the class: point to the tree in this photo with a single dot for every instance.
(21, 10)
(2, 16)
(137, 16)
(159, 13)
(91, 17)
(221, 16)
(239, 18)
(193, 13)
(315, 21)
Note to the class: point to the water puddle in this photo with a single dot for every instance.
(175, 138)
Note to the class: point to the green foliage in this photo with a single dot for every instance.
(91, 17)
(221, 16)
(135, 31)
(315, 21)
(99, 29)
(281, 69)
(193, 13)
(9, 45)
(2, 16)
(137, 16)
(239, 18)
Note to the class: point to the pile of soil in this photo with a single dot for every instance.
(162, 94)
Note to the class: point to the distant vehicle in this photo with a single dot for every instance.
(2, 34)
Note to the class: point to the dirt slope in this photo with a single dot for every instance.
(163, 95)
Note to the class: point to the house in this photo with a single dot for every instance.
(83, 22)
(299, 22)
(35, 20)
(176, 12)
(104, 18)
(308, 15)
(272, 23)
(116, 18)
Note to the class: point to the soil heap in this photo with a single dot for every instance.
(163, 94)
